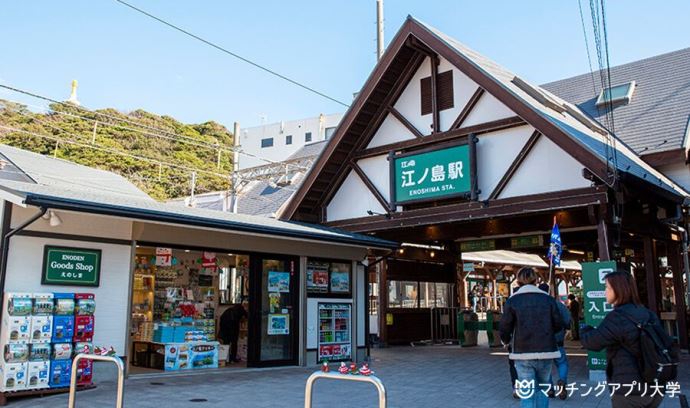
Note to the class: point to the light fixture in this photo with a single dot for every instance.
(387, 215)
(186, 250)
(53, 219)
(401, 250)
(432, 254)
(575, 251)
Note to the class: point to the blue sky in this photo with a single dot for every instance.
(127, 61)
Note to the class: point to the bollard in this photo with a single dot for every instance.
(97, 357)
(348, 377)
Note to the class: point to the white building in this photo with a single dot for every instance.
(277, 141)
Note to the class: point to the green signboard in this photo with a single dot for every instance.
(595, 305)
(527, 241)
(431, 175)
(71, 266)
(481, 245)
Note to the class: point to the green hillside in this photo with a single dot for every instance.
(158, 142)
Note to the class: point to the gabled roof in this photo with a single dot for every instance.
(656, 119)
(562, 122)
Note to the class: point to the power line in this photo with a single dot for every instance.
(158, 162)
(191, 140)
(218, 47)
(589, 57)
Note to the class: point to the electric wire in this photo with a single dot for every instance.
(226, 51)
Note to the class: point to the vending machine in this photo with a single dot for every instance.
(16, 319)
(14, 366)
(84, 366)
(38, 366)
(60, 365)
(63, 319)
(84, 321)
(42, 318)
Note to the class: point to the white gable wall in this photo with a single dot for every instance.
(352, 200)
(546, 168)
(378, 171)
(390, 131)
(486, 110)
(463, 89)
(495, 152)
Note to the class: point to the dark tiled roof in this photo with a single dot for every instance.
(262, 199)
(656, 119)
(312, 149)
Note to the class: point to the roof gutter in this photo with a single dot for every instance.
(160, 216)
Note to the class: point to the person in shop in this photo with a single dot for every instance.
(562, 361)
(527, 312)
(574, 307)
(229, 328)
(619, 335)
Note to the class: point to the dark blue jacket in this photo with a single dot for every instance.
(622, 366)
(529, 323)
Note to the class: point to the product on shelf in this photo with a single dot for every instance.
(16, 353)
(37, 374)
(334, 332)
(60, 373)
(64, 304)
(61, 351)
(83, 328)
(13, 376)
(85, 304)
(16, 320)
(40, 352)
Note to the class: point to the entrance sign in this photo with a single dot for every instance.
(71, 266)
(434, 174)
(596, 308)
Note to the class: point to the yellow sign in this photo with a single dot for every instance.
(389, 319)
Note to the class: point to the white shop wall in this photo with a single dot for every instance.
(25, 263)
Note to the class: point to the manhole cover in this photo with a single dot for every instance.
(157, 383)
(198, 400)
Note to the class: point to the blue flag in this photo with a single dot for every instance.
(555, 247)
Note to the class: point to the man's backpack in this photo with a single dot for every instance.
(659, 357)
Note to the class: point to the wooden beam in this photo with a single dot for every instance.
(405, 122)
(468, 108)
(435, 116)
(375, 191)
(441, 137)
(514, 165)
(474, 210)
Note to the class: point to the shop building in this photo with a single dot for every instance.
(161, 273)
(448, 153)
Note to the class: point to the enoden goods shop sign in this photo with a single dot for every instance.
(430, 175)
(71, 266)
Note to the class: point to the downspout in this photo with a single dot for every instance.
(7, 234)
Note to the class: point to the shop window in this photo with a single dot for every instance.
(329, 278)
(444, 94)
(433, 294)
(403, 294)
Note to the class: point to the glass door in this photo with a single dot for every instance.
(275, 336)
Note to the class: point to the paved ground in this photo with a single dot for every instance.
(432, 376)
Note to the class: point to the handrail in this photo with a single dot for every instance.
(337, 376)
(120, 376)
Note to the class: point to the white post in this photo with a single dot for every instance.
(379, 29)
(235, 165)
(191, 196)
(93, 136)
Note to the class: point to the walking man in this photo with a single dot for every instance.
(562, 361)
(529, 324)
(574, 307)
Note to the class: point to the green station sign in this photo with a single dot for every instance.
(435, 174)
(527, 241)
(71, 266)
(476, 246)
(595, 306)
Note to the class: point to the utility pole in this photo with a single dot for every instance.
(235, 166)
(379, 29)
(191, 196)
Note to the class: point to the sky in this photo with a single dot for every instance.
(127, 61)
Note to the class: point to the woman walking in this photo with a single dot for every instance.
(619, 335)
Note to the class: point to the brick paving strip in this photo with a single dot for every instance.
(429, 376)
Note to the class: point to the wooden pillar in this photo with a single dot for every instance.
(383, 302)
(674, 261)
(651, 274)
(603, 240)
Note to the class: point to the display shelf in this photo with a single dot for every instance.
(334, 332)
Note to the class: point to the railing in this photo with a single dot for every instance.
(97, 357)
(348, 377)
